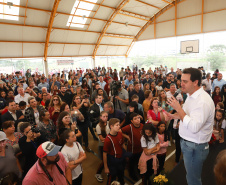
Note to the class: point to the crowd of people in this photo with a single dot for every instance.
(45, 122)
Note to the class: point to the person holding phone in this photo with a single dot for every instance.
(54, 109)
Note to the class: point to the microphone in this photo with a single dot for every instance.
(175, 95)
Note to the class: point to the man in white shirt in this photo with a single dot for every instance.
(172, 91)
(21, 96)
(101, 82)
(208, 83)
(196, 123)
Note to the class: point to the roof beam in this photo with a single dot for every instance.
(54, 10)
(153, 19)
(98, 19)
(133, 15)
(94, 15)
(67, 43)
(202, 16)
(73, 15)
(117, 10)
(54, 28)
(25, 13)
(92, 18)
(167, 2)
(113, 8)
(13, 15)
(175, 31)
(148, 4)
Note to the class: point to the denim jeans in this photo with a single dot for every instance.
(194, 155)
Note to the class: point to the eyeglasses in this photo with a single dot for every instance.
(27, 131)
(77, 98)
(55, 100)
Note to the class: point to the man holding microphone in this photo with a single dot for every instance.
(196, 123)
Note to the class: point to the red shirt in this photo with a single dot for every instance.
(134, 134)
(37, 176)
(55, 116)
(155, 117)
(113, 145)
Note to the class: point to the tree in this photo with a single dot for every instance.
(216, 56)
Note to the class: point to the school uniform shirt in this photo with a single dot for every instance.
(223, 125)
(98, 130)
(134, 134)
(71, 154)
(113, 145)
(151, 143)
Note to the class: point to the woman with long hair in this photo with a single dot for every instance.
(12, 136)
(146, 87)
(130, 88)
(83, 106)
(153, 89)
(147, 102)
(102, 130)
(85, 87)
(163, 100)
(217, 96)
(73, 154)
(79, 91)
(54, 108)
(74, 85)
(64, 123)
(155, 113)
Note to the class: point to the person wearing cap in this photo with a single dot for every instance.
(8, 161)
(50, 168)
(43, 84)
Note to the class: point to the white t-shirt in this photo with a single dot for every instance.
(159, 88)
(71, 154)
(98, 130)
(151, 143)
(223, 125)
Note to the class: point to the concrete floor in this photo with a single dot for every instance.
(92, 162)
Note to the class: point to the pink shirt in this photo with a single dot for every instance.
(163, 144)
(37, 176)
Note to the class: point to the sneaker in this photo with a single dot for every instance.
(88, 149)
(99, 178)
(169, 143)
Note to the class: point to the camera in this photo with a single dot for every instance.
(115, 86)
(159, 104)
(85, 96)
(35, 129)
(76, 131)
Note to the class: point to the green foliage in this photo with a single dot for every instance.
(216, 56)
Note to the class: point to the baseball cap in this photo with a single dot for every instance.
(47, 149)
(2, 136)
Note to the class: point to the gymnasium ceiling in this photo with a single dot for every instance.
(78, 28)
